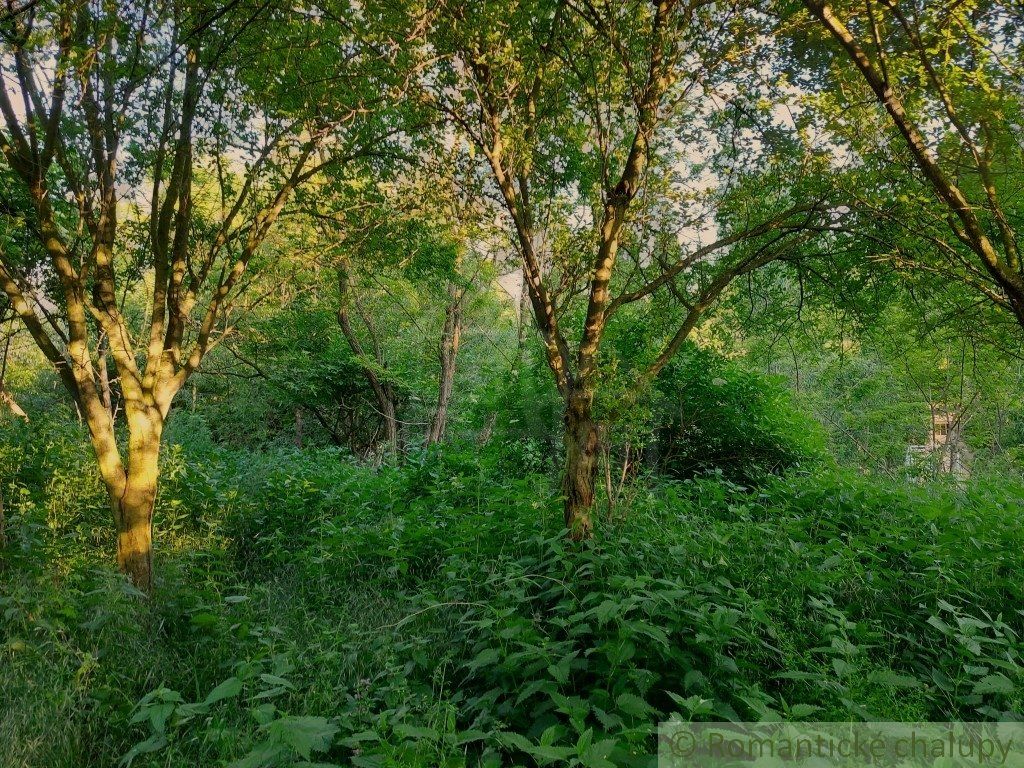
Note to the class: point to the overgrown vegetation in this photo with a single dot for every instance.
(472, 383)
(435, 615)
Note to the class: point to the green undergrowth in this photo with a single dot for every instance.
(311, 611)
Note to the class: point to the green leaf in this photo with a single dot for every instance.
(275, 680)
(604, 611)
(632, 704)
(803, 710)
(303, 734)
(356, 739)
(562, 669)
(465, 737)
(888, 677)
(996, 683)
(596, 755)
(154, 743)
(516, 741)
(486, 658)
(226, 690)
(841, 666)
(416, 732)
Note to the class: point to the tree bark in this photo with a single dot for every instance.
(447, 354)
(132, 493)
(104, 375)
(386, 402)
(581, 447)
(131, 488)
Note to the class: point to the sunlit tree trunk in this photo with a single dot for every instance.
(8, 401)
(131, 477)
(133, 509)
(104, 375)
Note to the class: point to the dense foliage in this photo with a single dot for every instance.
(434, 615)
(394, 383)
(720, 417)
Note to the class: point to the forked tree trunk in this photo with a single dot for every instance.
(581, 449)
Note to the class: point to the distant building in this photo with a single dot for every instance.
(945, 451)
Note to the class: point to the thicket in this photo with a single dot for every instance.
(314, 609)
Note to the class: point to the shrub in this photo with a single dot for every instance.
(714, 415)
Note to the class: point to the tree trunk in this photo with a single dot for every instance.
(447, 354)
(581, 447)
(132, 502)
(383, 391)
(485, 434)
(386, 403)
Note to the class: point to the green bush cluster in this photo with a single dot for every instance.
(717, 416)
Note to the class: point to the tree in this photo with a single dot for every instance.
(447, 354)
(948, 78)
(419, 235)
(143, 168)
(574, 108)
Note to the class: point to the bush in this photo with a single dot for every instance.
(715, 416)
